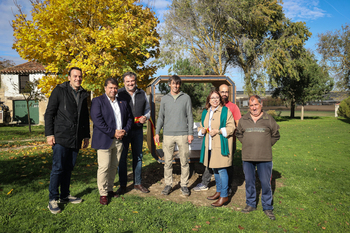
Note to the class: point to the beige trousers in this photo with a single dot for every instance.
(108, 161)
(168, 149)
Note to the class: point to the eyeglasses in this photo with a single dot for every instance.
(215, 98)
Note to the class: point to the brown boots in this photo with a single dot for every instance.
(222, 201)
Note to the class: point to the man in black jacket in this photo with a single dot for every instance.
(66, 126)
(139, 104)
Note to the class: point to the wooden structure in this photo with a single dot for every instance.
(216, 80)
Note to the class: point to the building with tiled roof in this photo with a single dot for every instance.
(13, 80)
(30, 67)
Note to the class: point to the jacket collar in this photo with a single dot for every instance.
(218, 109)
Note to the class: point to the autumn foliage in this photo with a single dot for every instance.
(103, 37)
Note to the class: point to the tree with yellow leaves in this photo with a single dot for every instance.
(105, 38)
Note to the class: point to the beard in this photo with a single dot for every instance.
(225, 99)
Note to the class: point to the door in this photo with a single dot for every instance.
(20, 112)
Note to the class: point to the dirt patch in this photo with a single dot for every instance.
(153, 178)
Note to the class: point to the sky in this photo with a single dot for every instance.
(320, 16)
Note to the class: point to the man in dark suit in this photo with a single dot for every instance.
(112, 120)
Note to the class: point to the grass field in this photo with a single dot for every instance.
(309, 113)
(311, 164)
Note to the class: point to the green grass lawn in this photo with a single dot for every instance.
(308, 113)
(311, 164)
(21, 132)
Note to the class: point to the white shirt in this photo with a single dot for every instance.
(116, 111)
(223, 130)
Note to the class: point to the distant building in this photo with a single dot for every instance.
(332, 98)
(12, 96)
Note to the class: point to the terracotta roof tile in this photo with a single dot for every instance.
(28, 67)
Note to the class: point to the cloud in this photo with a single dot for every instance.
(303, 9)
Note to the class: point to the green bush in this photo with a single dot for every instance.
(274, 114)
(344, 108)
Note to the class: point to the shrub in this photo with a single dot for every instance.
(344, 108)
(274, 114)
(271, 101)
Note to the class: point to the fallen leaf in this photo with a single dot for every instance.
(194, 229)
(347, 223)
(10, 192)
(241, 228)
(135, 212)
(120, 219)
(324, 228)
(207, 222)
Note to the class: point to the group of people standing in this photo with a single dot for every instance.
(118, 117)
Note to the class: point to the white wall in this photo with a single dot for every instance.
(8, 79)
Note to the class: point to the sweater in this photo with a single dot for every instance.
(175, 115)
(258, 137)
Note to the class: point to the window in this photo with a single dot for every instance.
(23, 79)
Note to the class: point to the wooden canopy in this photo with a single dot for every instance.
(216, 80)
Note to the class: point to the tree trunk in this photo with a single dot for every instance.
(302, 112)
(292, 109)
(30, 128)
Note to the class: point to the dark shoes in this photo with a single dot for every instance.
(214, 197)
(166, 190)
(229, 191)
(103, 200)
(121, 190)
(248, 209)
(141, 188)
(270, 214)
(222, 201)
(112, 194)
(185, 191)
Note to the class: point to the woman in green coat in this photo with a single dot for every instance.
(217, 127)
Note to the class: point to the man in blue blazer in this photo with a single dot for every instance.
(112, 120)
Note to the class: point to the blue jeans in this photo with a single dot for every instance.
(63, 162)
(135, 137)
(221, 180)
(264, 170)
